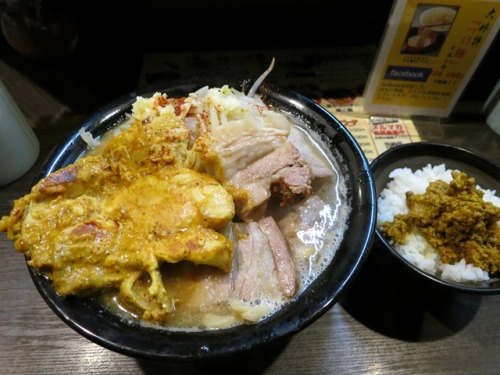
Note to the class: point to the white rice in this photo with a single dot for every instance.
(416, 250)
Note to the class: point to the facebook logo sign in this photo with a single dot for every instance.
(407, 73)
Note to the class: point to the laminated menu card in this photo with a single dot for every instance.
(428, 54)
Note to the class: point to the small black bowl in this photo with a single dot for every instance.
(416, 156)
(109, 330)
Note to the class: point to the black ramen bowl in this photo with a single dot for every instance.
(416, 156)
(105, 328)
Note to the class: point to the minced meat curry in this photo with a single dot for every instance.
(455, 220)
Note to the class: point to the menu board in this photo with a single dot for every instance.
(374, 134)
(428, 54)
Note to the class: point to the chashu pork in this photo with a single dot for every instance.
(262, 273)
(282, 173)
(256, 163)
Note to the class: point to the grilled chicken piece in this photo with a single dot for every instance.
(113, 218)
(89, 243)
(175, 215)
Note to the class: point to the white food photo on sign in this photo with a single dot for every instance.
(438, 18)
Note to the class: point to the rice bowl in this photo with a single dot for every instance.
(416, 156)
(416, 249)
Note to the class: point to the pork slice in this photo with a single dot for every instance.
(255, 274)
(282, 172)
(317, 162)
(256, 278)
(237, 152)
(292, 183)
(282, 256)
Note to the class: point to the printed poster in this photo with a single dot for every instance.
(429, 52)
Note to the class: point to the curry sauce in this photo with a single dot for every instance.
(455, 220)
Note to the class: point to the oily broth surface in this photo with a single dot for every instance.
(323, 237)
(313, 248)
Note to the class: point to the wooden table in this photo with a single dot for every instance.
(382, 326)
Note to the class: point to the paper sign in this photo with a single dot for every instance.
(428, 55)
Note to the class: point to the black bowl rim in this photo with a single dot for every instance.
(448, 151)
(246, 342)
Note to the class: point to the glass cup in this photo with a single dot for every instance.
(19, 146)
(492, 109)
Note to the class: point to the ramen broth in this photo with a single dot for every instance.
(313, 228)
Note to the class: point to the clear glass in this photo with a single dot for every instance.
(19, 146)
